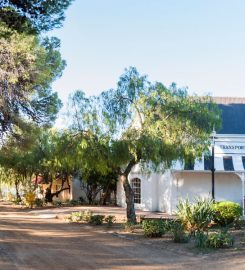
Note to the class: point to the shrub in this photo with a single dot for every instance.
(222, 239)
(130, 226)
(153, 228)
(97, 219)
(87, 214)
(201, 240)
(196, 216)
(227, 212)
(30, 197)
(74, 202)
(178, 231)
(168, 225)
(57, 203)
(17, 201)
(110, 220)
(38, 202)
(75, 217)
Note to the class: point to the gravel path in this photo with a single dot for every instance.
(29, 242)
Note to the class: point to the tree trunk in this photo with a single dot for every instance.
(17, 191)
(48, 195)
(106, 194)
(129, 194)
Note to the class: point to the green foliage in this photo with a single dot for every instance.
(201, 239)
(87, 215)
(27, 71)
(38, 202)
(147, 123)
(75, 217)
(97, 219)
(17, 201)
(223, 239)
(33, 17)
(74, 202)
(110, 220)
(57, 203)
(179, 234)
(30, 198)
(153, 228)
(195, 216)
(227, 212)
(130, 226)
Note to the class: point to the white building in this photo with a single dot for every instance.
(162, 192)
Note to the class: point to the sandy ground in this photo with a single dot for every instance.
(32, 241)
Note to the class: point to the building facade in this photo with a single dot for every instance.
(162, 192)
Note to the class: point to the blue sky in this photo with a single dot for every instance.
(195, 43)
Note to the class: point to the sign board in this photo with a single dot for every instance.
(229, 148)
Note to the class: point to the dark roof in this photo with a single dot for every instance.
(233, 114)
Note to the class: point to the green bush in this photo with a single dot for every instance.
(74, 202)
(196, 216)
(75, 217)
(222, 239)
(130, 226)
(227, 212)
(153, 228)
(38, 202)
(179, 234)
(97, 219)
(110, 220)
(57, 203)
(87, 214)
(168, 225)
(201, 240)
(17, 201)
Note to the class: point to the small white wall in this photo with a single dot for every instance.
(76, 191)
(228, 187)
(149, 190)
(164, 192)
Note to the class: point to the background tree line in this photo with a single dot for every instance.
(138, 122)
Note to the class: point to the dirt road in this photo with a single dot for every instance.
(30, 242)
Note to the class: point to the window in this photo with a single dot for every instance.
(207, 163)
(136, 187)
(228, 164)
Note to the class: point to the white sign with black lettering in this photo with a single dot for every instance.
(229, 148)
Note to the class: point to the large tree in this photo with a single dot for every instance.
(93, 162)
(29, 61)
(154, 126)
(33, 16)
(28, 67)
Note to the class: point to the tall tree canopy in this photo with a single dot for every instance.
(33, 16)
(28, 67)
(153, 126)
(29, 62)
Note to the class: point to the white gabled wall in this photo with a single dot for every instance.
(149, 190)
(149, 200)
(162, 192)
